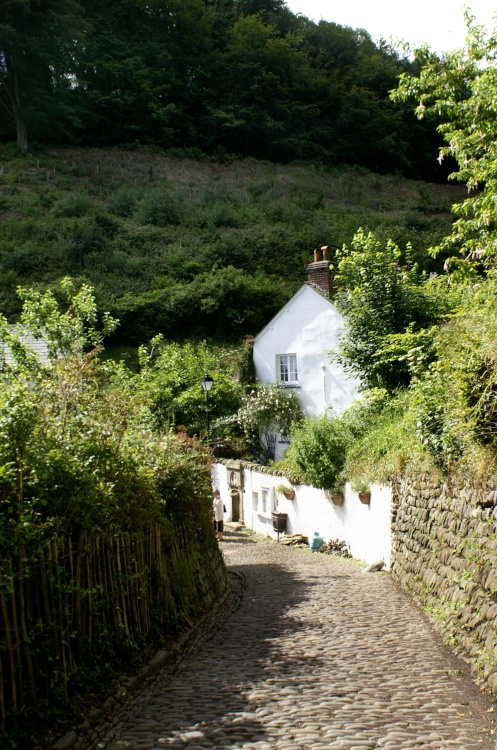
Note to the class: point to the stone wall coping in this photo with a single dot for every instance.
(251, 465)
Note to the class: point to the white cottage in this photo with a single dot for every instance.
(294, 347)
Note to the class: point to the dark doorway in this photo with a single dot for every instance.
(235, 506)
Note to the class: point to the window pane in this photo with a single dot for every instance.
(288, 368)
(265, 501)
(293, 367)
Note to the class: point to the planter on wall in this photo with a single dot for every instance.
(338, 498)
(364, 497)
(289, 494)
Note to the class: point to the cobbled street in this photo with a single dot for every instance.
(317, 656)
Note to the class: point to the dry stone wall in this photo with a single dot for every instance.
(444, 551)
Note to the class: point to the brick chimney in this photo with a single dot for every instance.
(320, 273)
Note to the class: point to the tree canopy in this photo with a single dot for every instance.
(460, 89)
(249, 78)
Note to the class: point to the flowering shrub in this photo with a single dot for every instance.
(266, 409)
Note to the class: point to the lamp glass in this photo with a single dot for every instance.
(206, 382)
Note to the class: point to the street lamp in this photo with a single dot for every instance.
(206, 383)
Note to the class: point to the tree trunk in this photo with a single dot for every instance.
(11, 83)
(22, 136)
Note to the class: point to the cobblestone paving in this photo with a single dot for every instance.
(319, 656)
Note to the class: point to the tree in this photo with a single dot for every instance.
(263, 94)
(461, 88)
(170, 382)
(388, 307)
(138, 72)
(37, 44)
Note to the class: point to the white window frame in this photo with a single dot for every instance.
(255, 501)
(291, 365)
(265, 501)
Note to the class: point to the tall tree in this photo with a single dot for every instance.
(37, 45)
(461, 90)
(140, 72)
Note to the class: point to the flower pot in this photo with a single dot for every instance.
(279, 522)
(290, 494)
(338, 498)
(365, 497)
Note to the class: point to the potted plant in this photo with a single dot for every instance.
(286, 490)
(337, 489)
(363, 490)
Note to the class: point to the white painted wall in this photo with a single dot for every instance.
(308, 325)
(365, 528)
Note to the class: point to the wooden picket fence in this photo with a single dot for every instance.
(72, 597)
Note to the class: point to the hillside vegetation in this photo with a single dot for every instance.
(194, 248)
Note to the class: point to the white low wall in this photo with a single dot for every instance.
(365, 528)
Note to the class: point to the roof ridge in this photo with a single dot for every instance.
(317, 289)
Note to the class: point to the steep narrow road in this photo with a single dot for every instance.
(319, 656)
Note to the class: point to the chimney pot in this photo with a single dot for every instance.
(320, 272)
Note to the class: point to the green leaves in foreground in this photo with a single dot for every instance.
(76, 447)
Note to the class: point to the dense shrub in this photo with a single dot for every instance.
(170, 383)
(158, 207)
(73, 205)
(236, 237)
(76, 449)
(318, 452)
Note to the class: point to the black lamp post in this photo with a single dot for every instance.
(206, 383)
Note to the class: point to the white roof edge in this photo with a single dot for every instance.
(304, 286)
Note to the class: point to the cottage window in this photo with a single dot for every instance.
(265, 501)
(287, 368)
(255, 501)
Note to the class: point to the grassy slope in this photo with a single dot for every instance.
(98, 215)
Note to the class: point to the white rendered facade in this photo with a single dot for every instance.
(293, 348)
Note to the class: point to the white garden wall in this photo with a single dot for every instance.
(365, 528)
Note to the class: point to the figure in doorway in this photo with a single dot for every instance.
(218, 508)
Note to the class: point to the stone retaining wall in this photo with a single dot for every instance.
(444, 551)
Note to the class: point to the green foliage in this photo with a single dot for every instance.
(460, 89)
(203, 278)
(384, 437)
(76, 451)
(170, 381)
(218, 78)
(446, 419)
(83, 477)
(38, 47)
(389, 308)
(72, 204)
(455, 403)
(317, 453)
(158, 207)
